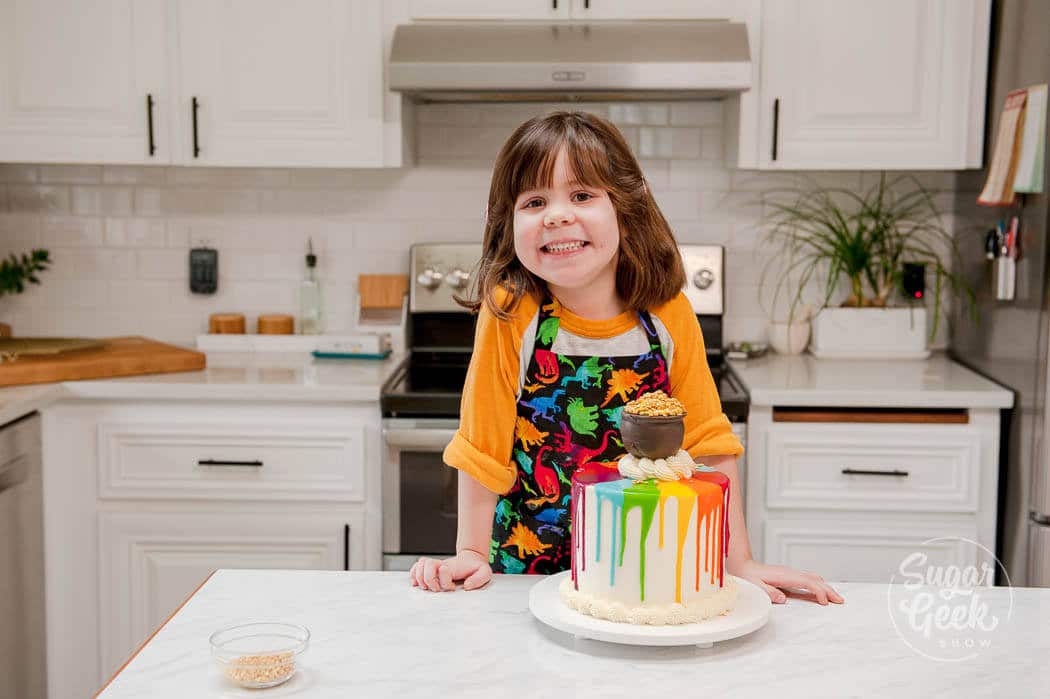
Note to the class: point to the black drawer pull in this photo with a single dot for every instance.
(196, 143)
(223, 462)
(776, 125)
(149, 124)
(867, 472)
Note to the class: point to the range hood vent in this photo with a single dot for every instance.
(606, 61)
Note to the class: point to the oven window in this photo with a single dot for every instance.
(428, 504)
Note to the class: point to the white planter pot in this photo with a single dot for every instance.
(870, 333)
(788, 338)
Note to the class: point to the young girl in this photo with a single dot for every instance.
(580, 310)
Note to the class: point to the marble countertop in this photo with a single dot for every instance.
(937, 382)
(373, 635)
(229, 376)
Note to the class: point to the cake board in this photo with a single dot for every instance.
(750, 613)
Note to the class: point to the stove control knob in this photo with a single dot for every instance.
(704, 278)
(457, 278)
(430, 278)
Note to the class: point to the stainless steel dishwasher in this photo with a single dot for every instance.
(23, 671)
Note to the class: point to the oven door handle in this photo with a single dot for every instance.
(421, 440)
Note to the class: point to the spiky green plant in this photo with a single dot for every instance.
(830, 234)
(17, 270)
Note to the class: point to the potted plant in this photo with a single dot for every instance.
(828, 236)
(18, 270)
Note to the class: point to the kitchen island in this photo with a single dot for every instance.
(373, 635)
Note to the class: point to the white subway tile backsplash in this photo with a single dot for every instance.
(102, 201)
(71, 174)
(136, 232)
(120, 235)
(18, 173)
(37, 198)
(164, 264)
(71, 231)
(707, 113)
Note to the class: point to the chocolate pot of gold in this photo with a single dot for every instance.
(652, 436)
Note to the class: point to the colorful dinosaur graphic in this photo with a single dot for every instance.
(525, 540)
(548, 366)
(532, 387)
(523, 460)
(553, 515)
(582, 417)
(583, 455)
(510, 563)
(505, 512)
(545, 406)
(589, 373)
(563, 439)
(613, 414)
(548, 330)
(544, 528)
(546, 478)
(622, 382)
(527, 434)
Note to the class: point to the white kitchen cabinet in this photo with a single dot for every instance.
(578, 10)
(659, 9)
(150, 562)
(77, 78)
(851, 500)
(851, 84)
(487, 10)
(231, 83)
(133, 521)
(269, 82)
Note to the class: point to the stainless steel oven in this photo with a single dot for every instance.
(421, 399)
(419, 491)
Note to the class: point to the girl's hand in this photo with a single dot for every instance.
(770, 577)
(441, 576)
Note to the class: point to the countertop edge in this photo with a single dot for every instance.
(767, 398)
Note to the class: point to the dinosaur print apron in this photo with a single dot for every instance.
(568, 415)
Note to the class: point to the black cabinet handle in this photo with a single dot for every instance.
(866, 472)
(346, 547)
(149, 124)
(196, 142)
(776, 125)
(554, 4)
(586, 4)
(225, 462)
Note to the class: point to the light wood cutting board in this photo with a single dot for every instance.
(119, 356)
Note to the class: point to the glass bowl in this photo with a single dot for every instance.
(257, 655)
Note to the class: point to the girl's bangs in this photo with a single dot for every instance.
(588, 161)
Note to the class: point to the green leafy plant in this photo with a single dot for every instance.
(17, 270)
(831, 235)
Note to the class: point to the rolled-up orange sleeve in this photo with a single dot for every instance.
(483, 443)
(707, 429)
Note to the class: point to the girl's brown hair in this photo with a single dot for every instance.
(649, 269)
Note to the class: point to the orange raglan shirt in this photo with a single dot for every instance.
(483, 443)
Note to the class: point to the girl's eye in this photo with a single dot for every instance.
(533, 203)
(585, 195)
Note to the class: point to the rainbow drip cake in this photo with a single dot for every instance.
(649, 551)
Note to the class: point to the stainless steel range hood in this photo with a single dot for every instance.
(517, 61)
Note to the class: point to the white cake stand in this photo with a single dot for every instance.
(750, 613)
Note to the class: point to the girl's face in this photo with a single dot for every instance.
(568, 234)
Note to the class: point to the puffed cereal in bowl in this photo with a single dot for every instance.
(652, 426)
(258, 655)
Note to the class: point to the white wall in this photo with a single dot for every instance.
(119, 236)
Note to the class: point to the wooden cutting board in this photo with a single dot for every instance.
(119, 356)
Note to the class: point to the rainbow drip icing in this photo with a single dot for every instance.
(706, 493)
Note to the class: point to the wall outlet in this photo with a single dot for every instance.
(204, 270)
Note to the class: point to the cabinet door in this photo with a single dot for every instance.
(487, 9)
(277, 83)
(75, 81)
(857, 84)
(150, 562)
(654, 9)
(854, 549)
